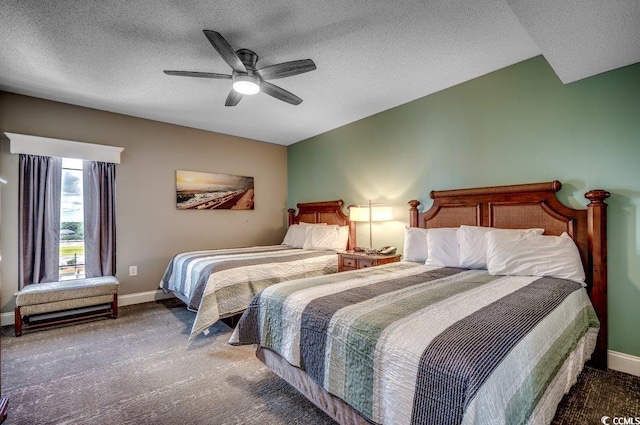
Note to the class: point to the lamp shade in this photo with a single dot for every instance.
(378, 213)
(369, 213)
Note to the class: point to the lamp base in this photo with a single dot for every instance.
(370, 251)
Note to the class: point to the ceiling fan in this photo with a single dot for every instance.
(247, 79)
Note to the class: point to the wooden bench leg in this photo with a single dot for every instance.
(18, 321)
(114, 307)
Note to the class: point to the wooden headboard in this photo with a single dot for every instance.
(533, 206)
(329, 212)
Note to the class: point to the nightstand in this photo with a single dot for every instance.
(350, 260)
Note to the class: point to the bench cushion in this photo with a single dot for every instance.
(49, 292)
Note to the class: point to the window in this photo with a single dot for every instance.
(72, 257)
(78, 239)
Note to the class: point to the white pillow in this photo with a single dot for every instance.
(442, 247)
(288, 237)
(326, 237)
(296, 234)
(529, 254)
(415, 244)
(473, 246)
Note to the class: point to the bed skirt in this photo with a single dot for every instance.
(339, 411)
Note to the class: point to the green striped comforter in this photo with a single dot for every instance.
(411, 344)
(220, 282)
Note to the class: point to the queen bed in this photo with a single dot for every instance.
(220, 283)
(426, 341)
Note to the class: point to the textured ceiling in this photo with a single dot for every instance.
(370, 55)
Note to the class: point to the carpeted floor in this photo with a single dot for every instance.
(140, 369)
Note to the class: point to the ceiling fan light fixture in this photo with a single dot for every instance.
(246, 78)
(246, 84)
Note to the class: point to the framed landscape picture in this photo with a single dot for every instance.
(210, 191)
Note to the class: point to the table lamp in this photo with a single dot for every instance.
(370, 213)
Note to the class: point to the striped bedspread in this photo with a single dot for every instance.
(411, 344)
(222, 282)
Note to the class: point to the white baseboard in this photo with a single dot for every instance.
(623, 363)
(143, 297)
(7, 319)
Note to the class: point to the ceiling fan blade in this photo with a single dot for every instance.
(280, 93)
(198, 74)
(225, 50)
(286, 69)
(233, 98)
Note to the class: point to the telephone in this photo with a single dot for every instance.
(387, 250)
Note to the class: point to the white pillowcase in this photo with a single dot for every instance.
(296, 234)
(529, 254)
(415, 244)
(473, 246)
(326, 237)
(442, 247)
(288, 237)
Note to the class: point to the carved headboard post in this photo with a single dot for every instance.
(413, 213)
(290, 214)
(352, 235)
(597, 237)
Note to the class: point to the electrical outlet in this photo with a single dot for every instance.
(133, 270)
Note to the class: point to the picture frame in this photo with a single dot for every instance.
(196, 190)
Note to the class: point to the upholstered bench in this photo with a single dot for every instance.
(71, 298)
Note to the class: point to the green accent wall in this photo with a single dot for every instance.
(516, 125)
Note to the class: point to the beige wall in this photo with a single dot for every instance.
(150, 228)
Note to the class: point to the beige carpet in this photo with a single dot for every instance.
(140, 369)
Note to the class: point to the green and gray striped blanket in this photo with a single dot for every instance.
(411, 344)
(221, 282)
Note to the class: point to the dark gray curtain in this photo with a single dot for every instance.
(99, 188)
(40, 186)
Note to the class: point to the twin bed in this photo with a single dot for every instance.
(409, 343)
(219, 284)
